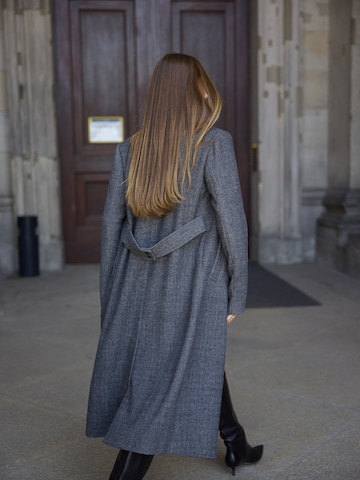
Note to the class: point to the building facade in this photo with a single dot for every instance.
(303, 175)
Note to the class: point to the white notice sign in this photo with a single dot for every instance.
(106, 129)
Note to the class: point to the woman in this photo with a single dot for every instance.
(173, 274)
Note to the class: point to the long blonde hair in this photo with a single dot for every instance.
(182, 105)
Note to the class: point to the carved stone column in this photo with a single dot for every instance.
(33, 150)
(341, 217)
(277, 235)
(7, 233)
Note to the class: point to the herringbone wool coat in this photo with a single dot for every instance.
(166, 286)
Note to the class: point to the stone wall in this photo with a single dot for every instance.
(305, 121)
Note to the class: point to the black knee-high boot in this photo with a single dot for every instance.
(233, 434)
(130, 466)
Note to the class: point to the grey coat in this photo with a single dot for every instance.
(166, 286)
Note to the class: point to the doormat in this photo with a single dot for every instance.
(266, 290)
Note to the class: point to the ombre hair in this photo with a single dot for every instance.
(182, 105)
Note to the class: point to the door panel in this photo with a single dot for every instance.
(105, 52)
(205, 30)
(103, 66)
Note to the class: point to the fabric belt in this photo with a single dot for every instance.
(168, 244)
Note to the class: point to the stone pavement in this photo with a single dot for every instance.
(294, 374)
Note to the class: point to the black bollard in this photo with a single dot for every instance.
(28, 244)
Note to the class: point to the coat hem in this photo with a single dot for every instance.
(182, 453)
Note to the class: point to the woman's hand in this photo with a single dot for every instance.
(230, 318)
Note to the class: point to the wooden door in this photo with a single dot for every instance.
(105, 51)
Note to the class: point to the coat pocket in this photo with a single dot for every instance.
(219, 264)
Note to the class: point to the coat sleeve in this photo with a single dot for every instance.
(222, 179)
(113, 217)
